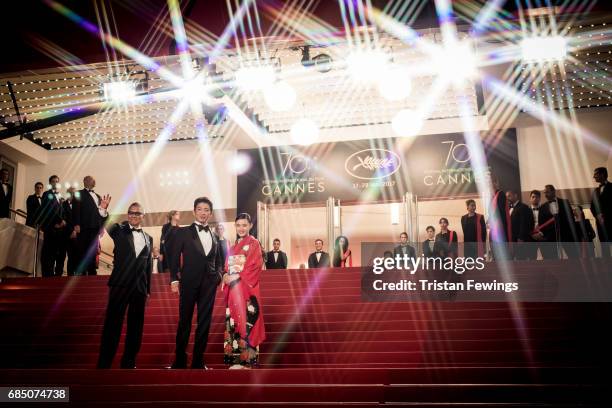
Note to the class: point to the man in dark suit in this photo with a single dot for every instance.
(70, 238)
(319, 258)
(196, 281)
(429, 245)
(54, 227)
(33, 203)
(403, 248)
(157, 264)
(276, 259)
(130, 285)
(521, 218)
(88, 222)
(562, 229)
(6, 193)
(601, 207)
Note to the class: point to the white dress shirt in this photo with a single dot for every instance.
(318, 255)
(205, 238)
(155, 265)
(5, 188)
(139, 241)
(275, 257)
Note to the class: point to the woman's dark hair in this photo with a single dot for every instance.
(430, 227)
(470, 201)
(388, 254)
(172, 213)
(337, 252)
(244, 216)
(204, 200)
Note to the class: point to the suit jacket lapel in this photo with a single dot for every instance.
(196, 238)
(130, 238)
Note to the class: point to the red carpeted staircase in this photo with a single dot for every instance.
(324, 346)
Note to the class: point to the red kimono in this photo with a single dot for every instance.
(244, 318)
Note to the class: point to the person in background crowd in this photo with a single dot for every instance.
(319, 258)
(168, 230)
(403, 248)
(342, 253)
(499, 221)
(601, 208)
(129, 287)
(430, 243)
(54, 227)
(585, 232)
(224, 244)
(563, 229)
(33, 203)
(276, 259)
(535, 237)
(446, 244)
(88, 221)
(6, 193)
(70, 243)
(157, 261)
(244, 324)
(521, 218)
(474, 231)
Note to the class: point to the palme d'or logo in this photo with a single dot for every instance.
(372, 164)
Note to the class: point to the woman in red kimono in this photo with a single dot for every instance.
(244, 326)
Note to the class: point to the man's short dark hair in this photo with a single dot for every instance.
(602, 170)
(550, 187)
(404, 233)
(204, 200)
(276, 240)
(470, 201)
(443, 219)
(52, 177)
(38, 183)
(430, 227)
(319, 240)
(136, 204)
(536, 192)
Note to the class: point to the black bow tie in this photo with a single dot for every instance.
(535, 208)
(318, 252)
(203, 227)
(136, 229)
(511, 206)
(91, 191)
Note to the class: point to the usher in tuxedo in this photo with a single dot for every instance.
(322, 262)
(402, 250)
(521, 219)
(33, 203)
(6, 193)
(279, 263)
(198, 277)
(130, 284)
(86, 215)
(601, 203)
(564, 227)
(53, 252)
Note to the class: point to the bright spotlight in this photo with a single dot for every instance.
(280, 96)
(394, 84)
(255, 78)
(119, 91)
(456, 62)
(546, 48)
(406, 123)
(195, 91)
(304, 132)
(367, 66)
(239, 164)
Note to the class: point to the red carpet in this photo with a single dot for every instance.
(324, 346)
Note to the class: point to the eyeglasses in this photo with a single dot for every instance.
(134, 213)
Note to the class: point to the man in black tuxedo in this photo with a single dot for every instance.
(403, 248)
(563, 228)
(196, 281)
(521, 218)
(6, 193)
(319, 258)
(276, 259)
(33, 203)
(88, 222)
(601, 207)
(54, 227)
(70, 238)
(130, 285)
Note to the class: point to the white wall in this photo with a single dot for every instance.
(115, 169)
